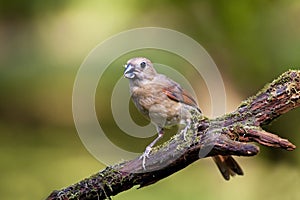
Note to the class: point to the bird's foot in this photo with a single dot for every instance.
(144, 156)
(184, 131)
(187, 125)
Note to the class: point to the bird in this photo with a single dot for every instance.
(166, 104)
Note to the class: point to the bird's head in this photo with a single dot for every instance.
(139, 68)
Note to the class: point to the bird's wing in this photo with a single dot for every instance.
(175, 92)
(180, 96)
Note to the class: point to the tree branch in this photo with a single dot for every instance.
(225, 135)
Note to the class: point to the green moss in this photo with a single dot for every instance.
(281, 80)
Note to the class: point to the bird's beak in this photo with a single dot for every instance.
(129, 71)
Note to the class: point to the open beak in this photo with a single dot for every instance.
(129, 71)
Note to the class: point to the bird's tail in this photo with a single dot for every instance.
(228, 166)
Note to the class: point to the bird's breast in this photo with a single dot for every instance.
(157, 107)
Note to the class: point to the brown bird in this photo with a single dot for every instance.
(166, 104)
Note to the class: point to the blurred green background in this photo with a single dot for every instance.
(43, 43)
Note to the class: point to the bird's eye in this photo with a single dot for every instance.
(143, 64)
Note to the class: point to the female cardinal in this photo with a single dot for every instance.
(166, 104)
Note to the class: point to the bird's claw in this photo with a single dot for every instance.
(184, 131)
(144, 156)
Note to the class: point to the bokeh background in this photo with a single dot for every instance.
(43, 43)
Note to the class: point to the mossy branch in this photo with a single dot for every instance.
(225, 135)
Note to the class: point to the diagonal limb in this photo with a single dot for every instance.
(225, 135)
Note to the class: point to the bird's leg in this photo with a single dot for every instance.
(149, 148)
(187, 125)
